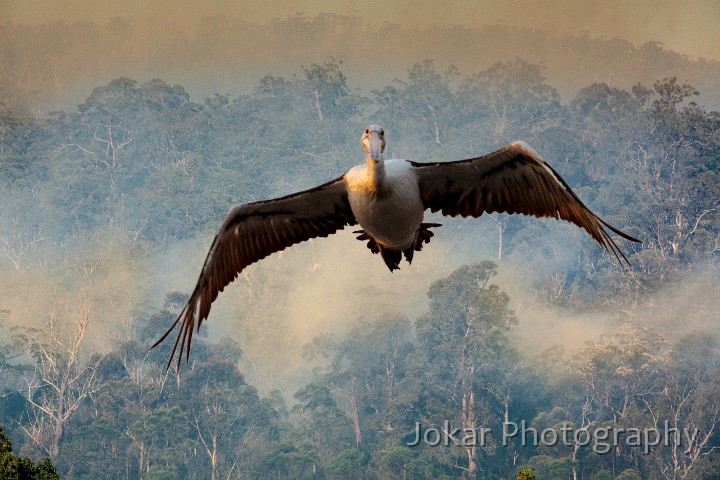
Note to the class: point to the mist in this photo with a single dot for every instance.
(51, 64)
(327, 287)
(687, 27)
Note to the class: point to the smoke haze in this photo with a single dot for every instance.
(688, 27)
(54, 53)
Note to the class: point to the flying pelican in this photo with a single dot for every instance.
(387, 198)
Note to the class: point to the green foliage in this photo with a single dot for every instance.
(350, 463)
(290, 461)
(550, 468)
(629, 474)
(13, 467)
(525, 474)
(602, 475)
(401, 462)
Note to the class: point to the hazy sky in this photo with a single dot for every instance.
(691, 27)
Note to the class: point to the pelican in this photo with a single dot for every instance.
(388, 199)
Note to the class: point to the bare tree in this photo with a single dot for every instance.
(59, 383)
(111, 140)
(690, 410)
(585, 424)
(327, 84)
(16, 242)
(501, 223)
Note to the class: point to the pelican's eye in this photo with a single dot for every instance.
(367, 131)
(382, 133)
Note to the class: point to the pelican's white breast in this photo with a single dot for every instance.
(389, 208)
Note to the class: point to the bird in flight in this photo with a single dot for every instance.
(388, 199)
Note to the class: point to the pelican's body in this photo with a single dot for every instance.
(385, 200)
(388, 200)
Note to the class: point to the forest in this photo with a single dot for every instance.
(107, 210)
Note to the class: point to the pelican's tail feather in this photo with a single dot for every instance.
(424, 235)
(392, 258)
(371, 244)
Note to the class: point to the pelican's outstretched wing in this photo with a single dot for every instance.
(513, 179)
(253, 231)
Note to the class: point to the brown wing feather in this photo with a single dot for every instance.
(513, 179)
(250, 233)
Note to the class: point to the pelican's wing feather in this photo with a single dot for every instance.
(513, 179)
(250, 233)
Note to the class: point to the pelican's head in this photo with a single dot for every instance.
(373, 141)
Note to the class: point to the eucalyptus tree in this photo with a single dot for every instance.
(423, 108)
(464, 362)
(511, 99)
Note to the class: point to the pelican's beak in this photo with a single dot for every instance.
(377, 145)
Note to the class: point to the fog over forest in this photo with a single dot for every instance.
(123, 146)
(52, 66)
